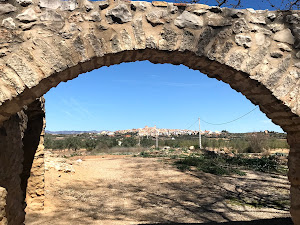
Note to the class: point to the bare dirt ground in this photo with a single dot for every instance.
(122, 190)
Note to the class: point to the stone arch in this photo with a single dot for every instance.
(43, 43)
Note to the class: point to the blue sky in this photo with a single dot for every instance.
(132, 95)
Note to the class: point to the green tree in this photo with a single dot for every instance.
(257, 142)
(129, 142)
(73, 143)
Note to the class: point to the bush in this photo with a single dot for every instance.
(208, 164)
(224, 165)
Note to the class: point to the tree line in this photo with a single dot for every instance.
(252, 142)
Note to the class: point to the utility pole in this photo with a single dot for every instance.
(139, 141)
(156, 138)
(200, 145)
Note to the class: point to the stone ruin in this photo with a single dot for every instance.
(45, 42)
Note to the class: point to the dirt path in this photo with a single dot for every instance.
(127, 190)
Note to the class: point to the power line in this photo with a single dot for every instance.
(192, 124)
(217, 124)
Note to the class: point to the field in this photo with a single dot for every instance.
(122, 189)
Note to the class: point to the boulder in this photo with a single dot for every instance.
(120, 14)
(160, 4)
(216, 20)
(7, 8)
(158, 17)
(9, 23)
(189, 20)
(29, 15)
(103, 4)
(285, 36)
(243, 40)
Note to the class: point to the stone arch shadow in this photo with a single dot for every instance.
(235, 46)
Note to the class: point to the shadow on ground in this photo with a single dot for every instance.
(276, 221)
(146, 195)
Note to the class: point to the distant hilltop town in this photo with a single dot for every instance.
(153, 131)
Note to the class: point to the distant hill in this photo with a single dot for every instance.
(71, 132)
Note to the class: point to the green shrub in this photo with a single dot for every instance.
(224, 165)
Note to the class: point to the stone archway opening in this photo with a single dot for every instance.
(44, 43)
(131, 187)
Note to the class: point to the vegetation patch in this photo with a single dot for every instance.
(280, 204)
(226, 165)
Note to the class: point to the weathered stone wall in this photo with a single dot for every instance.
(11, 159)
(3, 193)
(13, 175)
(43, 43)
(294, 174)
(32, 177)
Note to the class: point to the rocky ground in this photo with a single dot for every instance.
(116, 189)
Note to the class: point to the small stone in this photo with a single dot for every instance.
(285, 36)
(9, 23)
(240, 26)
(7, 8)
(53, 4)
(258, 29)
(139, 32)
(216, 20)
(24, 2)
(251, 10)
(94, 16)
(296, 32)
(50, 15)
(298, 55)
(103, 4)
(275, 27)
(102, 27)
(120, 14)
(69, 5)
(126, 40)
(200, 12)
(29, 15)
(243, 40)
(233, 13)
(75, 17)
(168, 39)
(139, 6)
(158, 17)
(295, 73)
(187, 42)
(150, 42)
(284, 47)
(66, 35)
(271, 16)
(27, 26)
(258, 19)
(276, 54)
(297, 65)
(159, 4)
(5, 36)
(180, 4)
(293, 19)
(88, 5)
(172, 8)
(188, 20)
(260, 39)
